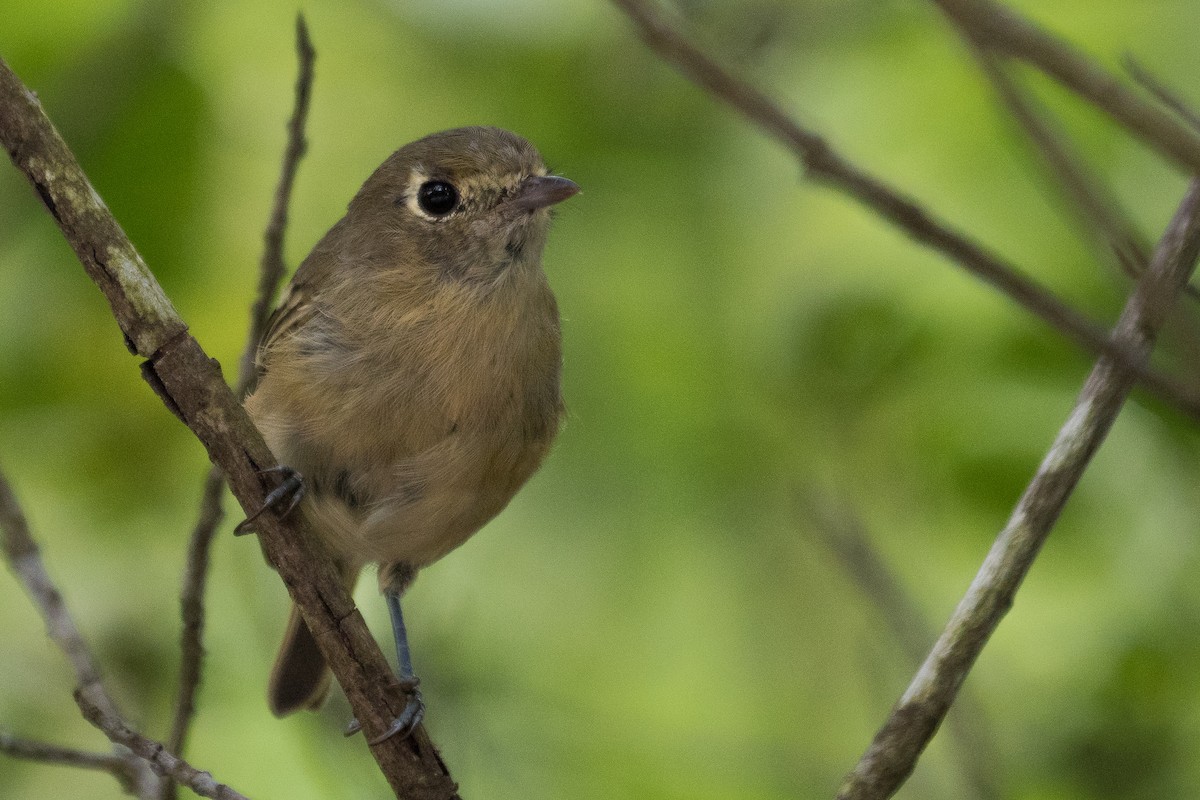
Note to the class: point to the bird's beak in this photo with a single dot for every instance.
(542, 191)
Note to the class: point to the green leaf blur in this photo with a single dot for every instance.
(656, 615)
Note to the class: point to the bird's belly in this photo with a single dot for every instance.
(418, 509)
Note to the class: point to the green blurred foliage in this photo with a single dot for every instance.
(654, 616)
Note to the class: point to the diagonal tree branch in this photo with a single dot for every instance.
(271, 273)
(191, 386)
(138, 762)
(825, 164)
(893, 753)
(25, 558)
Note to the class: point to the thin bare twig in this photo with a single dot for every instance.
(1097, 210)
(1000, 29)
(273, 267)
(191, 606)
(272, 270)
(1164, 95)
(161, 760)
(26, 561)
(1095, 207)
(825, 164)
(1187, 325)
(893, 753)
(119, 767)
(843, 533)
(840, 530)
(190, 384)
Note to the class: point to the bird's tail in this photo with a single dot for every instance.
(300, 677)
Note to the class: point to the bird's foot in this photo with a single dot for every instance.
(281, 500)
(403, 725)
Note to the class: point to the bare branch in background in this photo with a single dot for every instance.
(1095, 208)
(153, 753)
(1124, 356)
(123, 768)
(25, 560)
(893, 753)
(826, 165)
(272, 267)
(191, 610)
(843, 533)
(138, 762)
(1097, 211)
(1165, 96)
(190, 384)
(840, 531)
(271, 273)
(1001, 30)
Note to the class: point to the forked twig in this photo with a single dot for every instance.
(25, 559)
(138, 761)
(161, 760)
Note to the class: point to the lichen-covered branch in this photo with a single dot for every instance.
(190, 384)
(893, 753)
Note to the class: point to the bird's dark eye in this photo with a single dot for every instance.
(438, 198)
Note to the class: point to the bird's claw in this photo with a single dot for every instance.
(282, 499)
(403, 725)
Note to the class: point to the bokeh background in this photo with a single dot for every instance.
(658, 614)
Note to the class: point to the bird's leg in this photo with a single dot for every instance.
(414, 711)
(282, 499)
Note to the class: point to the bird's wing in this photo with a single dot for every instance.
(293, 311)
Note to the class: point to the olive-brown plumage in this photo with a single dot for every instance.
(411, 372)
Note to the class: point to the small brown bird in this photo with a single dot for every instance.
(411, 372)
